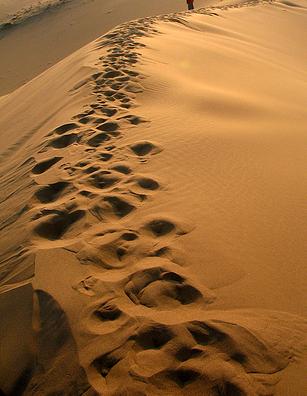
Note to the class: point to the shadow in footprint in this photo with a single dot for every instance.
(101, 180)
(105, 157)
(64, 141)
(65, 128)
(51, 192)
(144, 148)
(107, 311)
(108, 111)
(184, 376)
(122, 169)
(205, 335)
(56, 226)
(120, 207)
(109, 127)
(43, 166)
(147, 183)
(105, 363)
(160, 227)
(96, 140)
(112, 74)
(227, 389)
(153, 337)
(156, 287)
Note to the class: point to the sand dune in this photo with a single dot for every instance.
(152, 194)
(39, 36)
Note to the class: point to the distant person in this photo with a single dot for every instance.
(190, 4)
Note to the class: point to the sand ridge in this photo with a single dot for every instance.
(143, 326)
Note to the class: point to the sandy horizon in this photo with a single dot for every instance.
(152, 206)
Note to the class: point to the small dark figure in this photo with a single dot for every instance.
(190, 4)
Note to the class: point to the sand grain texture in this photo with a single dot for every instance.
(151, 211)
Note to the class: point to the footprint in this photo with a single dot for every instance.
(109, 127)
(64, 141)
(103, 180)
(160, 227)
(109, 93)
(204, 334)
(121, 168)
(91, 169)
(110, 249)
(126, 106)
(105, 156)
(91, 120)
(185, 376)
(112, 74)
(105, 363)
(96, 140)
(131, 73)
(84, 114)
(51, 192)
(117, 86)
(107, 312)
(152, 336)
(186, 353)
(123, 79)
(57, 225)
(65, 128)
(144, 148)
(87, 286)
(134, 120)
(147, 183)
(134, 88)
(108, 111)
(43, 166)
(226, 388)
(157, 287)
(120, 207)
(97, 75)
(82, 164)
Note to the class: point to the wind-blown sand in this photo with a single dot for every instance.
(152, 195)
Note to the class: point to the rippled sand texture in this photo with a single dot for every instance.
(151, 195)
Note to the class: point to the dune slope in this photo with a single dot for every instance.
(151, 195)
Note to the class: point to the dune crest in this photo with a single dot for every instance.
(114, 291)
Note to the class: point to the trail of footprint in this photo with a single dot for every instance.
(138, 274)
(189, 357)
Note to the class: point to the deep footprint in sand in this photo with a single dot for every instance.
(157, 287)
(57, 225)
(144, 148)
(110, 127)
(43, 166)
(122, 168)
(98, 139)
(110, 249)
(64, 141)
(65, 128)
(134, 120)
(103, 179)
(51, 192)
(120, 206)
(147, 183)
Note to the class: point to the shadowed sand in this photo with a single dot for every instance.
(151, 195)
